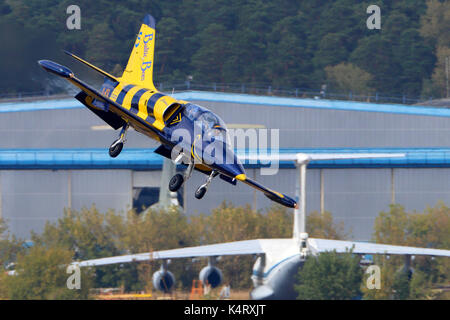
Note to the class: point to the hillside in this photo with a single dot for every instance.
(293, 44)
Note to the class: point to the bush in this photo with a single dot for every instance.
(41, 274)
(330, 276)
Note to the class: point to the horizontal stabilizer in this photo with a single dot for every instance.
(106, 74)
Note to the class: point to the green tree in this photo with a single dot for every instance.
(431, 229)
(349, 78)
(168, 51)
(276, 222)
(278, 44)
(435, 23)
(416, 60)
(41, 274)
(10, 246)
(103, 37)
(401, 284)
(374, 55)
(391, 227)
(428, 229)
(388, 272)
(286, 50)
(330, 276)
(439, 74)
(331, 50)
(420, 286)
(90, 234)
(213, 51)
(321, 225)
(229, 223)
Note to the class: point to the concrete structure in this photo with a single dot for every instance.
(53, 154)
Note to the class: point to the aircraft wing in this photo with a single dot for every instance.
(246, 247)
(271, 194)
(322, 245)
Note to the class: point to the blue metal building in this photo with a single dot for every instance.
(53, 155)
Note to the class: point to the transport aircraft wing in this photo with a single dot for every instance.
(322, 245)
(246, 247)
(264, 246)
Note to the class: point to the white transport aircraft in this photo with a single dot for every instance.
(278, 260)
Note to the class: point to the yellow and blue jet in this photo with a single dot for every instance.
(133, 100)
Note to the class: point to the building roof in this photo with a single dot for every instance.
(71, 103)
(146, 159)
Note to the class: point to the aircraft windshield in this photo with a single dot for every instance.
(213, 127)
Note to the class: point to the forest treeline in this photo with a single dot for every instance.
(90, 234)
(285, 43)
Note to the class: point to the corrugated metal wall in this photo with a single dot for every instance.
(354, 196)
(30, 198)
(325, 128)
(71, 128)
(299, 127)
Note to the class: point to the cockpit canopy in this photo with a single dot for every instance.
(213, 127)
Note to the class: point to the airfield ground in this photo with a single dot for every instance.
(177, 295)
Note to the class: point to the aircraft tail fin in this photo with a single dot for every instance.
(106, 74)
(139, 70)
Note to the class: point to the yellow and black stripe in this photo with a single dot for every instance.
(149, 105)
(152, 101)
(123, 92)
(135, 100)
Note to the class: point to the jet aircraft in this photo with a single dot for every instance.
(187, 132)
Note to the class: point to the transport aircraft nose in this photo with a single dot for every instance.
(263, 292)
